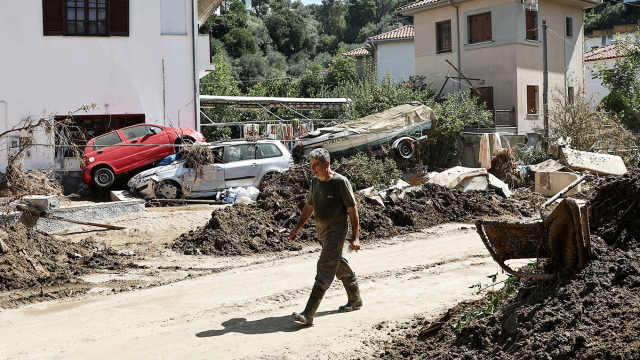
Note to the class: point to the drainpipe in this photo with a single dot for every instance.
(6, 115)
(196, 76)
(457, 37)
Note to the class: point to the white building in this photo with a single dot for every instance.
(603, 56)
(390, 53)
(138, 61)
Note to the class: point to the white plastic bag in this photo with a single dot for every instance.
(247, 195)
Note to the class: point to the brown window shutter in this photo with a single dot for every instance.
(53, 17)
(486, 27)
(119, 18)
(474, 30)
(531, 25)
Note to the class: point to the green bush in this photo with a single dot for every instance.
(364, 171)
(531, 156)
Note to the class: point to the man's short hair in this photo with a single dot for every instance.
(320, 154)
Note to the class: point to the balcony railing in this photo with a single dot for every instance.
(501, 119)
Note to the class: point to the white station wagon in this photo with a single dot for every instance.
(237, 163)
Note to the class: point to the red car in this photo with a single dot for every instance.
(126, 149)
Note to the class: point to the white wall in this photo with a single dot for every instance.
(397, 58)
(145, 73)
(592, 85)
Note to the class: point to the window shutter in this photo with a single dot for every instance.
(53, 17)
(531, 25)
(119, 18)
(486, 27)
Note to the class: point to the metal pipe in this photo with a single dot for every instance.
(545, 86)
(457, 37)
(196, 77)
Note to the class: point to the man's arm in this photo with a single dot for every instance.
(355, 227)
(304, 217)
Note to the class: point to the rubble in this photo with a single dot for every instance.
(588, 314)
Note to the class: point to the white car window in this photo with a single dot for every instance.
(270, 150)
(242, 152)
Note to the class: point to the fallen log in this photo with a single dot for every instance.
(52, 217)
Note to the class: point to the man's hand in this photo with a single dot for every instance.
(354, 245)
(293, 235)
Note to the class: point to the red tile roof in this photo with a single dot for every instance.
(404, 32)
(610, 51)
(417, 4)
(362, 51)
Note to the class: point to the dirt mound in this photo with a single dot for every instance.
(33, 258)
(591, 315)
(265, 225)
(614, 210)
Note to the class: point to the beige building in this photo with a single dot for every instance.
(497, 45)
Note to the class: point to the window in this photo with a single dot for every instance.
(242, 152)
(443, 33)
(86, 17)
(532, 99)
(270, 150)
(140, 131)
(532, 24)
(106, 140)
(570, 95)
(480, 28)
(569, 26)
(485, 99)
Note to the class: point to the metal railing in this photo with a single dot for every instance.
(501, 119)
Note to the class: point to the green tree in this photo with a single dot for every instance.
(331, 15)
(623, 79)
(218, 82)
(287, 30)
(342, 70)
(608, 14)
(239, 42)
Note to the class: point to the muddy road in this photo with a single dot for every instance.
(239, 307)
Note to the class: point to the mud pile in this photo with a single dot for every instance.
(591, 314)
(265, 225)
(614, 210)
(33, 259)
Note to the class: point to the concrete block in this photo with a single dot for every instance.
(499, 185)
(121, 195)
(551, 183)
(479, 183)
(43, 203)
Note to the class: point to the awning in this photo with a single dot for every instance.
(249, 102)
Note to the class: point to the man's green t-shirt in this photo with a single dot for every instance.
(330, 200)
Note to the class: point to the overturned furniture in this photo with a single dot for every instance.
(562, 235)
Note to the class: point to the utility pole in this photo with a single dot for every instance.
(545, 87)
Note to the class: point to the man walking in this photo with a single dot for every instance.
(332, 201)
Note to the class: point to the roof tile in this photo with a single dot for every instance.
(610, 51)
(417, 4)
(399, 33)
(362, 51)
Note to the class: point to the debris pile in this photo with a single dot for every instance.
(614, 210)
(18, 183)
(503, 167)
(30, 258)
(265, 225)
(590, 314)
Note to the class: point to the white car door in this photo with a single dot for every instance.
(242, 167)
